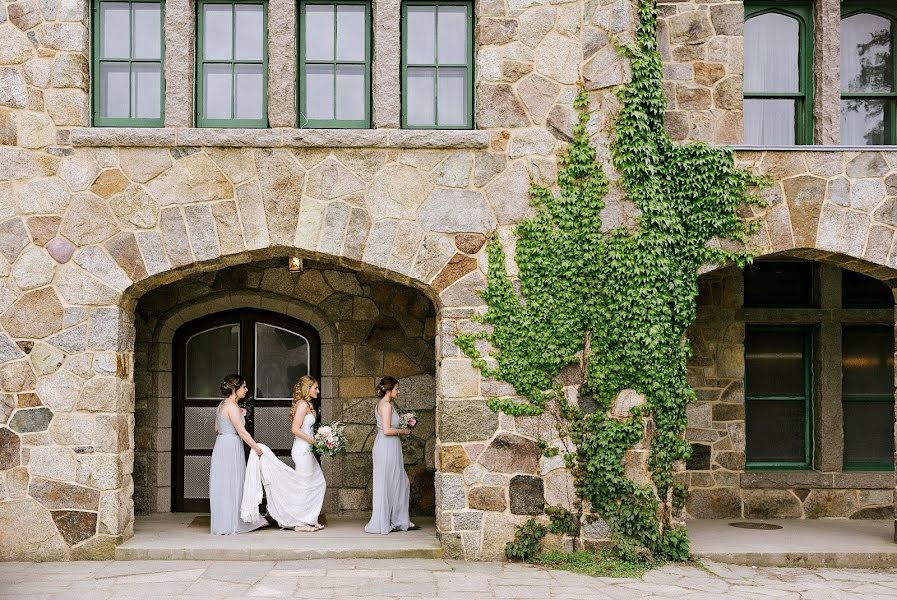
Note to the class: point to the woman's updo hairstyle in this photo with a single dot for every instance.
(230, 384)
(387, 384)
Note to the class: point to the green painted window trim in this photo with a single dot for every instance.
(803, 12)
(868, 465)
(807, 397)
(303, 63)
(468, 117)
(888, 10)
(96, 30)
(201, 121)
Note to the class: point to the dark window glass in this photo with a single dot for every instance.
(862, 291)
(774, 362)
(868, 391)
(776, 396)
(780, 284)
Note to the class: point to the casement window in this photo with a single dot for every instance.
(334, 63)
(777, 397)
(231, 64)
(868, 66)
(128, 78)
(437, 64)
(867, 388)
(778, 73)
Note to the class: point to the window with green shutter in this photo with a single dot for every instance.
(128, 57)
(232, 64)
(334, 63)
(437, 64)
(868, 67)
(778, 73)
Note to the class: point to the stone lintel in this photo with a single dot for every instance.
(847, 480)
(277, 138)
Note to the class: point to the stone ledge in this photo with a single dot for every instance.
(868, 480)
(808, 148)
(278, 138)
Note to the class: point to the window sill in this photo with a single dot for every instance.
(279, 138)
(808, 148)
(814, 479)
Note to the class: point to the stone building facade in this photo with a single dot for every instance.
(113, 238)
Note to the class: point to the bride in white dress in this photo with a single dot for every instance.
(295, 496)
(306, 505)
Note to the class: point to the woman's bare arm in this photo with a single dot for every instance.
(385, 409)
(233, 413)
(298, 420)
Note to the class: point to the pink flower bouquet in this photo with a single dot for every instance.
(407, 420)
(329, 439)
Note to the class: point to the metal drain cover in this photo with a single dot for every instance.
(749, 525)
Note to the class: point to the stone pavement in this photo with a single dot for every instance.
(427, 578)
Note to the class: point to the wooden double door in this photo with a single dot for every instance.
(271, 351)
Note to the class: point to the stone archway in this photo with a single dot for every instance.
(368, 327)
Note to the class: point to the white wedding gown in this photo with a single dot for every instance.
(295, 496)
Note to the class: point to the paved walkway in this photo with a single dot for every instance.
(427, 578)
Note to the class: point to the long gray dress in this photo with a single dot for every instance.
(226, 481)
(391, 487)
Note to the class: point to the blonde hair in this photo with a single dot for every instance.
(300, 394)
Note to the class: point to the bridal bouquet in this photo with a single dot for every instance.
(329, 439)
(407, 420)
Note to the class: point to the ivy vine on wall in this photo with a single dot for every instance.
(618, 303)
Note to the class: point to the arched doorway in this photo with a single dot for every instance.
(271, 351)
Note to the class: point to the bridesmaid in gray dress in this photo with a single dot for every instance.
(228, 461)
(391, 487)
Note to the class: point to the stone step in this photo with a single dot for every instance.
(185, 536)
(809, 543)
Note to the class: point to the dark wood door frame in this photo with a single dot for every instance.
(247, 318)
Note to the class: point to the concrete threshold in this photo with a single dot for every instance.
(810, 543)
(185, 536)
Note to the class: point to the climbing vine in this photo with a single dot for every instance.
(616, 303)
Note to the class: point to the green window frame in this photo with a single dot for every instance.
(887, 398)
(888, 10)
(436, 65)
(807, 336)
(802, 11)
(235, 63)
(335, 63)
(99, 60)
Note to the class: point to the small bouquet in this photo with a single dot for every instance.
(330, 439)
(246, 412)
(407, 420)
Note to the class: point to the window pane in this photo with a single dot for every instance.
(774, 362)
(452, 95)
(217, 91)
(769, 122)
(864, 122)
(866, 54)
(196, 476)
(771, 43)
(199, 427)
(273, 427)
(868, 360)
(350, 92)
(147, 30)
(421, 98)
(250, 24)
(211, 355)
(774, 430)
(318, 32)
(350, 32)
(868, 432)
(319, 92)
(217, 31)
(452, 35)
(769, 284)
(421, 35)
(281, 357)
(248, 101)
(116, 25)
(146, 82)
(114, 90)
(862, 291)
